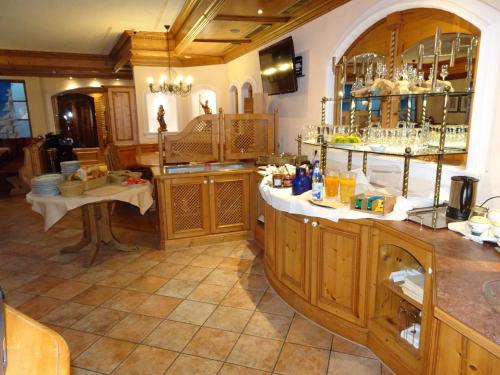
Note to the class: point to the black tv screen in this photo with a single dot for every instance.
(277, 68)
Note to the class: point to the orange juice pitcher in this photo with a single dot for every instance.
(347, 186)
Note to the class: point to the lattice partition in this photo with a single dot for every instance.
(230, 208)
(248, 136)
(198, 141)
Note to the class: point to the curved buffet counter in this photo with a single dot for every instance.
(337, 274)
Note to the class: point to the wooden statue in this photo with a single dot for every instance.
(161, 118)
(206, 107)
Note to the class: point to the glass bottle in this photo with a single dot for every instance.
(317, 183)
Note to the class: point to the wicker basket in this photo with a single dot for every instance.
(95, 183)
(71, 188)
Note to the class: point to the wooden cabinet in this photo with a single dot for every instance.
(339, 268)
(187, 207)
(270, 237)
(121, 114)
(230, 200)
(293, 252)
(455, 354)
(192, 207)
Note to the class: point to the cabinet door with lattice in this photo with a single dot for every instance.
(187, 207)
(230, 203)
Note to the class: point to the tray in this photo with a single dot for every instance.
(463, 228)
(330, 203)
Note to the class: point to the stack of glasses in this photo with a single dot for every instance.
(69, 167)
(46, 185)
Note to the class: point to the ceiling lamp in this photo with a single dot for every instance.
(167, 86)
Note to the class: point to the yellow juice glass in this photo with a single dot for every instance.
(347, 186)
(332, 184)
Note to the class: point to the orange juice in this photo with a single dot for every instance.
(331, 185)
(347, 186)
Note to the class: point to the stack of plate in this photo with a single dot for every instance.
(46, 185)
(69, 167)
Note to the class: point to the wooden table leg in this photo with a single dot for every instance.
(106, 231)
(86, 237)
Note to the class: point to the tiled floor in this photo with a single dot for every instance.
(202, 310)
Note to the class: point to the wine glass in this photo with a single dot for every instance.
(444, 71)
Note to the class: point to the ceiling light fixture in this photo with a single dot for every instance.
(260, 11)
(70, 77)
(167, 87)
(187, 57)
(235, 31)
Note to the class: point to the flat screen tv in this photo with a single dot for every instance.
(277, 68)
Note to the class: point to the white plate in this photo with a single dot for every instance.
(463, 228)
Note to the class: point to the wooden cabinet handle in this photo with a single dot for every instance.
(314, 224)
(306, 220)
(205, 182)
(212, 181)
(473, 368)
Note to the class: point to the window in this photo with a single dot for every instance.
(169, 103)
(14, 113)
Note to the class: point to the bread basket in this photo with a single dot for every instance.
(71, 188)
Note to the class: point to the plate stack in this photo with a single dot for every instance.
(46, 185)
(69, 167)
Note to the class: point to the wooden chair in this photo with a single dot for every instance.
(33, 165)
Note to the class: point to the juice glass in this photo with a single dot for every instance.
(332, 184)
(347, 186)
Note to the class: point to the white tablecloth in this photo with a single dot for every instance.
(54, 208)
(283, 200)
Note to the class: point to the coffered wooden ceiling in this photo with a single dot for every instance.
(204, 32)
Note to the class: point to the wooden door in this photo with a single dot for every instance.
(230, 201)
(339, 267)
(122, 114)
(76, 113)
(187, 207)
(293, 253)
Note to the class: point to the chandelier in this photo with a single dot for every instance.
(176, 87)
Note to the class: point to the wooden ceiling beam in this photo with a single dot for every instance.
(232, 41)
(258, 19)
(200, 17)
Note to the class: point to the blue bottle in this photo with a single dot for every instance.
(301, 183)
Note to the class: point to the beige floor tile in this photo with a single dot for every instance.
(229, 319)
(218, 250)
(253, 282)
(41, 285)
(93, 276)
(171, 335)
(82, 371)
(209, 293)
(257, 267)
(119, 261)
(341, 363)
(304, 332)
(221, 276)
(96, 295)
(99, 321)
(235, 264)
(16, 299)
(66, 271)
(268, 325)
(119, 279)
(39, 306)
(190, 365)
(340, 344)
(242, 298)
(134, 328)
(67, 290)
(230, 369)
(158, 306)
(208, 261)
(180, 257)
(249, 253)
(193, 273)
(66, 315)
(126, 300)
(78, 341)
(146, 360)
(17, 280)
(298, 360)
(192, 312)
(147, 284)
(177, 288)
(105, 355)
(255, 352)
(271, 303)
(212, 343)
(139, 266)
(386, 370)
(165, 269)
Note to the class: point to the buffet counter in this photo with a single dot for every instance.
(339, 274)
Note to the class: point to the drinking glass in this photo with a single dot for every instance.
(347, 186)
(332, 184)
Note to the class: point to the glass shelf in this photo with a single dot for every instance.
(413, 95)
(426, 151)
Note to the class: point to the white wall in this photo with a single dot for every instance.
(40, 90)
(213, 77)
(330, 35)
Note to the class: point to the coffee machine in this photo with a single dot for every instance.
(462, 197)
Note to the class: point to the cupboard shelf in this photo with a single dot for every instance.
(396, 289)
(389, 326)
(413, 95)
